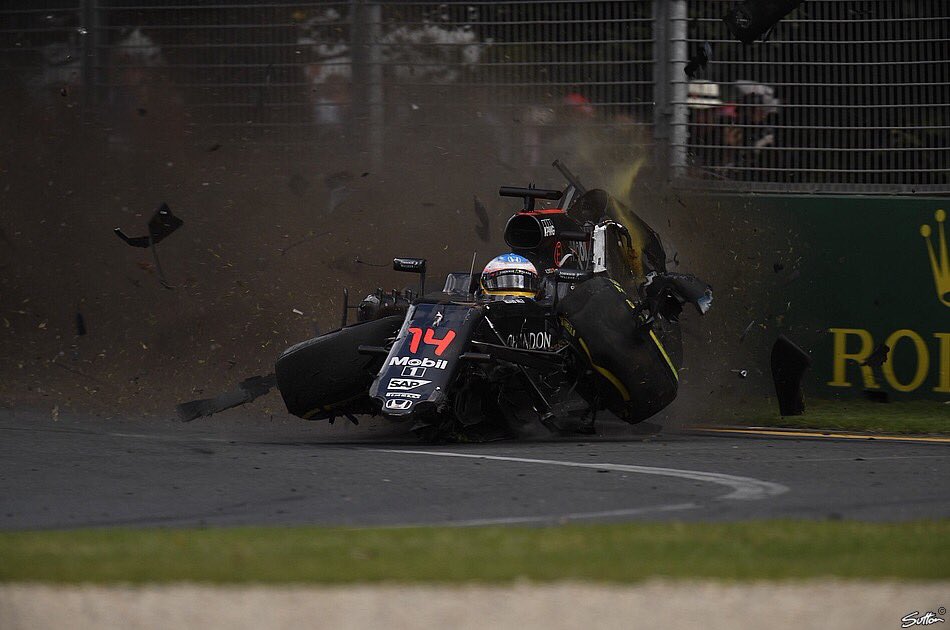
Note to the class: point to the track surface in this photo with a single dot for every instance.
(237, 470)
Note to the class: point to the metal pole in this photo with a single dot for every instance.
(374, 88)
(90, 52)
(678, 87)
(358, 48)
(662, 109)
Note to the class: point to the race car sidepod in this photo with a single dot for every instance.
(327, 376)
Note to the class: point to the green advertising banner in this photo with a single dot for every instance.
(874, 275)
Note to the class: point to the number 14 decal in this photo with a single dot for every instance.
(430, 340)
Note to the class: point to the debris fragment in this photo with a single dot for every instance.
(777, 267)
(297, 311)
(160, 226)
(753, 18)
(699, 60)
(789, 363)
(741, 373)
(214, 148)
(80, 325)
(878, 356)
(482, 228)
(359, 261)
(248, 390)
(746, 331)
(309, 237)
(337, 183)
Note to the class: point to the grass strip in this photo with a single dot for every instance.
(904, 418)
(612, 553)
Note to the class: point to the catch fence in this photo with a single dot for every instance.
(844, 97)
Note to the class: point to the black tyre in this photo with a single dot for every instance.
(634, 374)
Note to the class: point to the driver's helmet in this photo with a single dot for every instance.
(510, 274)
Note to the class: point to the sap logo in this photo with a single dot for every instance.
(402, 395)
(405, 383)
(439, 364)
(414, 372)
(398, 404)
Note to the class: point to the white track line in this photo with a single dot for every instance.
(743, 488)
(556, 518)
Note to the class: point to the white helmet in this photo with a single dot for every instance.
(510, 274)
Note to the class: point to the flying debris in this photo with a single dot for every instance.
(699, 61)
(337, 184)
(248, 390)
(483, 226)
(878, 356)
(756, 18)
(162, 224)
(789, 363)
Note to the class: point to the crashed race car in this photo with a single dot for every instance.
(580, 317)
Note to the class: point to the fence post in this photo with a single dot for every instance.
(90, 53)
(367, 78)
(678, 89)
(374, 90)
(662, 109)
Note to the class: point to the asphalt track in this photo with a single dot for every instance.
(233, 469)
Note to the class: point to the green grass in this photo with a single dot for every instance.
(916, 417)
(614, 553)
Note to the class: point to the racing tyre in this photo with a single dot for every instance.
(634, 374)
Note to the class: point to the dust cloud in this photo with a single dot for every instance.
(272, 235)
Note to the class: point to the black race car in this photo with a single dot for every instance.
(599, 332)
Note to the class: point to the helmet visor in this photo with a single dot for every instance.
(511, 280)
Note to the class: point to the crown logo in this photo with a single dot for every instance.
(939, 263)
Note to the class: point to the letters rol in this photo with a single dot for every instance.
(852, 346)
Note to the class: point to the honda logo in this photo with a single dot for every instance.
(398, 404)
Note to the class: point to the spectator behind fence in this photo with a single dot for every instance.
(705, 131)
(330, 98)
(755, 113)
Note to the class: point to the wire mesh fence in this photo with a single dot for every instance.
(845, 96)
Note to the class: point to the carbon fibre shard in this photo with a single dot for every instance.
(699, 61)
(756, 18)
(481, 230)
(248, 390)
(789, 363)
(162, 224)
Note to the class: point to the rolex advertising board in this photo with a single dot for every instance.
(872, 301)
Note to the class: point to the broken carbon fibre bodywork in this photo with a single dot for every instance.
(602, 333)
